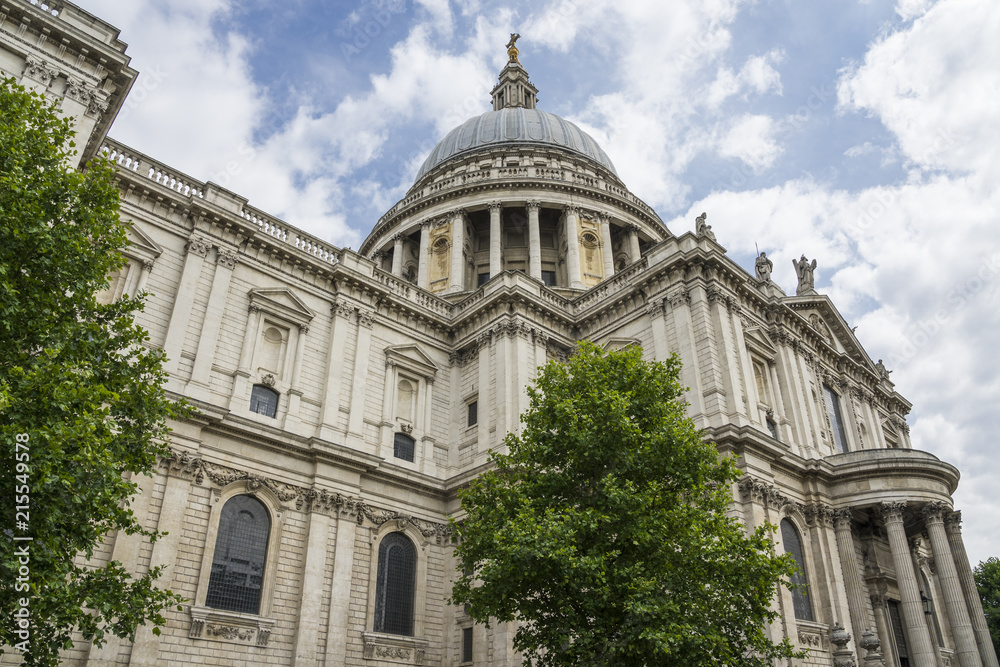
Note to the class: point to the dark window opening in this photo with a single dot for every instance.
(467, 645)
(549, 278)
(473, 413)
(403, 447)
(897, 633)
(773, 428)
(264, 401)
(836, 418)
(482, 279)
(240, 555)
(395, 585)
(800, 594)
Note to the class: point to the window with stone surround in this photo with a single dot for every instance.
(800, 594)
(395, 586)
(264, 401)
(403, 447)
(240, 556)
(466, 645)
(834, 412)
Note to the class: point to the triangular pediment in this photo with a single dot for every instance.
(141, 245)
(621, 343)
(760, 343)
(412, 358)
(829, 325)
(283, 303)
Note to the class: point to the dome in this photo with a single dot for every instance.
(515, 125)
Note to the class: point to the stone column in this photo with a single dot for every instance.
(954, 600)
(534, 241)
(609, 258)
(856, 597)
(146, 649)
(199, 386)
(422, 261)
(359, 391)
(571, 217)
(340, 594)
(882, 623)
(140, 286)
(633, 243)
(397, 255)
(180, 316)
(496, 208)
(307, 632)
(919, 637)
(953, 527)
(457, 251)
(342, 323)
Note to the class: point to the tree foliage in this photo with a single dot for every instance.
(82, 408)
(604, 532)
(987, 575)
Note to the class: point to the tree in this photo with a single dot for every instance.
(987, 575)
(82, 406)
(605, 531)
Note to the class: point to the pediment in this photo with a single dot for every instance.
(621, 343)
(283, 303)
(758, 342)
(140, 244)
(412, 358)
(829, 326)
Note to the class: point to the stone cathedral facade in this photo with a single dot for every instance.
(342, 397)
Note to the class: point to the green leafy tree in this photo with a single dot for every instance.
(605, 534)
(82, 407)
(987, 575)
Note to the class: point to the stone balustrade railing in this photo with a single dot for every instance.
(154, 171)
(53, 8)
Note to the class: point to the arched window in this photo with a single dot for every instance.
(240, 555)
(264, 400)
(403, 447)
(793, 546)
(396, 585)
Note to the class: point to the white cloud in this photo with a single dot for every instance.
(751, 139)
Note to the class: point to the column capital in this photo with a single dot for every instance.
(655, 308)
(227, 258)
(953, 522)
(891, 511)
(934, 512)
(198, 245)
(571, 209)
(533, 205)
(495, 206)
(425, 224)
(843, 518)
(398, 237)
(459, 213)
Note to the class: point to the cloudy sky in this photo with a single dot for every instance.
(863, 134)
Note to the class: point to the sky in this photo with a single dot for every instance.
(863, 134)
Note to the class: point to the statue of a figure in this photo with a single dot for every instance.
(880, 368)
(511, 49)
(763, 268)
(702, 228)
(805, 272)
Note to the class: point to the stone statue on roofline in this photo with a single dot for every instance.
(804, 270)
(763, 268)
(511, 49)
(702, 228)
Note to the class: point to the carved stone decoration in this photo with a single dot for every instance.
(78, 91)
(197, 626)
(762, 493)
(230, 632)
(842, 656)
(366, 318)
(934, 512)
(679, 297)
(198, 245)
(872, 645)
(39, 70)
(810, 639)
(227, 259)
(342, 309)
(268, 380)
(891, 510)
(410, 650)
(406, 427)
(184, 465)
(263, 635)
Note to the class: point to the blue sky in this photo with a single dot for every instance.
(863, 134)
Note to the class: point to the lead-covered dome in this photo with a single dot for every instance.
(515, 125)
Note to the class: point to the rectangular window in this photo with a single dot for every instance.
(482, 279)
(836, 419)
(467, 645)
(473, 413)
(897, 634)
(549, 278)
